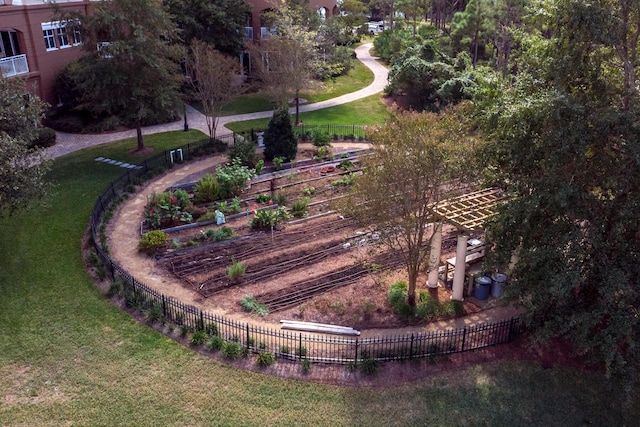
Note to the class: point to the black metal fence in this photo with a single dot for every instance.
(284, 344)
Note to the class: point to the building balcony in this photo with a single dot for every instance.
(14, 65)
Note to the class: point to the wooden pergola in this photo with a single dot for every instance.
(470, 211)
(467, 213)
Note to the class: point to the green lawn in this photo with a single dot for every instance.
(366, 111)
(356, 79)
(68, 356)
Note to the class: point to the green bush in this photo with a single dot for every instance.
(280, 198)
(233, 178)
(215, 343)
(232, 350)
(198, 338)
(153, 241)
(237, 269)
(305, 364)
(427, 307)
(265, 358)
(397, 295)
(369, 366)
(278, 161)
(320, 138)
(207, 189)
(46, 138)
(154, 313)
(245, 151)
(346, 165)
(300, 208)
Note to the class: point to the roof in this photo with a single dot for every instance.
(470, 211)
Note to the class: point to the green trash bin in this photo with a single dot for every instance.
(483, 287)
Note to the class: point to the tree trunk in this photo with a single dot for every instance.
(139, 136)
(411, 291)
(297, 122)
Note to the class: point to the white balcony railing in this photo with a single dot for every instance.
(248, 33)
(14, 65)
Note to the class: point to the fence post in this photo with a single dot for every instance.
(464, 337)
(300, 345)
(247, 336)
(411, 347)
(164, 307)
(355, 358)
(510, 337)
(201, 325)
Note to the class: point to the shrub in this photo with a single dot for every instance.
(166, 207)
(153, 241)
(245, 151)
(280, 198)
(369, 366)
(198, 338)
(237, 269)
(46, 138)
(207, 189)
(115, 288)
(320, 138)
(233, 178)
(184, 330)
(427, 307)
(265, 358)
(397, 295)
(215, 343)
(154, 313)
(278, 137)
(232, 350)
(300, 208)
(211, 329)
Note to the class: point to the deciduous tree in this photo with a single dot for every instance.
(215, 79)
(22, 168)
(419, 159)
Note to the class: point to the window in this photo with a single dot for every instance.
(58, 30)
(77, 36)
(63, 37)
(49, 39)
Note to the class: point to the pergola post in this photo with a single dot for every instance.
(459, 272)
(434, 255)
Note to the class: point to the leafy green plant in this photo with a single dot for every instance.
(308, 191)
(215, 343)
(237, 269)
(263, 198)
(300, 208)
(207, 189)
(369, 366)
(267, 218)
(165, 207)
(397, 296)
(153, 241)
(320, 138)
(280, 198)
(259, 166)
(219, 234)
(245, 151)
(265, 358)
(249, 303)
(154, 313)
(305, 364)
(198, 338)
(184, 330)
(346, 165)
(232, 350)
(277, 162)
(116, 288)
(346, 180)
(233, 178)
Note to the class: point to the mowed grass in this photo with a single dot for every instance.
(70, 357)
(367, 111)
(357, 78)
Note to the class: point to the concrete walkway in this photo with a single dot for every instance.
(68, 142)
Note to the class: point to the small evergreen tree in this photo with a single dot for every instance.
(278, 138)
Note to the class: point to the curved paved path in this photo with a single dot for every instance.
(68, 143)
